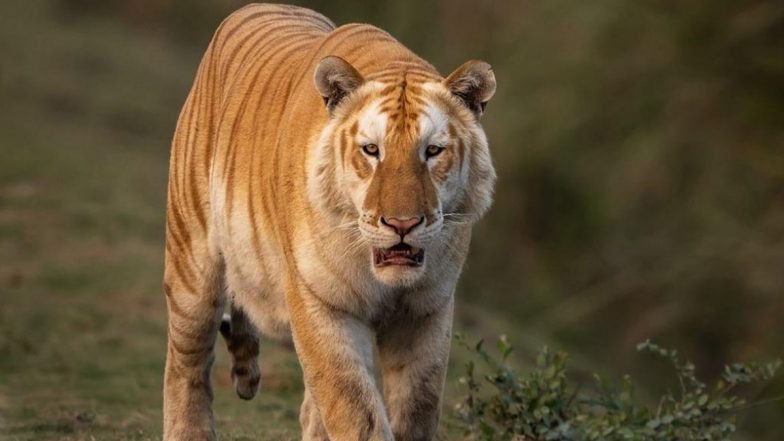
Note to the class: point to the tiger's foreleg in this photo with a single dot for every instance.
(195, 302)
(413, 355)
(336, 353)
(243, 343)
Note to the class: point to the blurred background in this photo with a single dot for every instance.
(640, 148)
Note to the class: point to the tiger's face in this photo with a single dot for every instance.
(405, 161)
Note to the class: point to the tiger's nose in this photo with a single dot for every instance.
(402, 226)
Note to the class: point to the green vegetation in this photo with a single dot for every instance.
(542, 405)
(641, 159)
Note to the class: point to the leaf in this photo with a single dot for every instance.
(539, 404)
(504, 346)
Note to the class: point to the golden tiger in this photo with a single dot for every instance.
(336, 215)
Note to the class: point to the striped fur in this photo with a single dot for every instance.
(274, 208)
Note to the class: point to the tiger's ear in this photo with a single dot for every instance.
(473, 83)
(335, 78)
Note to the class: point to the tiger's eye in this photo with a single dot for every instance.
(370, 150)
(433, 150)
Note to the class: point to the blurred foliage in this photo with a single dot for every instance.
(542, 405)
(640, 149)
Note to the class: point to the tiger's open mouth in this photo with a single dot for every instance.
(400, 254)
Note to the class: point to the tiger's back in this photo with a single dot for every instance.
(238, 84)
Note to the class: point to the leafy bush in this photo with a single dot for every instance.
(541, 404)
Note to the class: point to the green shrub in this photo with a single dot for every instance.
(540, 405)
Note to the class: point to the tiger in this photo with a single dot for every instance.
(323, 185)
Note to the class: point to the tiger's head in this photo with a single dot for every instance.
(403, 161)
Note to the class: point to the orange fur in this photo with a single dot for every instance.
(275, 206)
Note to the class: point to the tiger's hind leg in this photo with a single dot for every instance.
(243, 343)
(195, 300)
